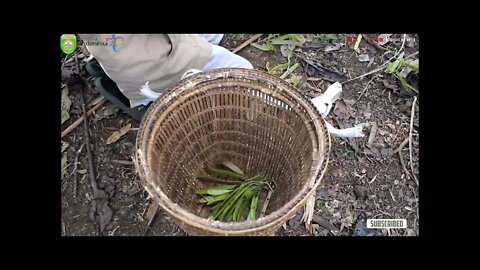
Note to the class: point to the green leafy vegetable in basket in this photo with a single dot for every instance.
(228, 202)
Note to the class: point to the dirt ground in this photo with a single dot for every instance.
(363, 180)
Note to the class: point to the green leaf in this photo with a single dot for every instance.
(294, 80)
(237, 208)
(393, 66)
(227, 205)
(296, 37)
(214, 199)
(232, 167)
(219, 199)
(224, 173)
(286, 42)
(289, 71)
(318, 203)
(272, 36)
(406, 64)
(244, 202)
(357, 43)
(264, 47)
(216, 207)
(253, 208)
(237, 193)
(288, 39)
(256, 178)
(216, 189)
(405, 84)
(278, 68)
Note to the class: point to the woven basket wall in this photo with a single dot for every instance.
(256, 120)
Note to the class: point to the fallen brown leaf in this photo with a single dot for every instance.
(118, 134)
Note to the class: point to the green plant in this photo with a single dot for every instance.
(395, 67)
(357, 43)
(318, 204)
(276, 39)
(228, 202)
(293, 79)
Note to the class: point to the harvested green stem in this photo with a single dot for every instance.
(228, 202)
(253, 208)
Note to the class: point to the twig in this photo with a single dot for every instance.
(366, 74)
(416, 203)
(365, 153)
(403, 43)
(135, 192)
(411, 55)
(377, 69)
(246, 43)
(75, 186)
(87, 133)
(403, 164)
(64, 60)
(373, 179)
(313, 46)
(391, 194)
(265, 205)
(122, 162)
(410, 139)
(76, 159)
(398, 52)
(64, 229)
(95, 101)
(376, 45)
(313, 88)
(308, 212)
(365, 89)
(80, 120)
(151, 219)
(401, 145)
(373, 132)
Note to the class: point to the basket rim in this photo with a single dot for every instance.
(180, 90)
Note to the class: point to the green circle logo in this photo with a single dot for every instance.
(68, 43)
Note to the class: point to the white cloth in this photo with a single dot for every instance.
(222, 57)
(214, 39)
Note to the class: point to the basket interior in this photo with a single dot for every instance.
(230, 119)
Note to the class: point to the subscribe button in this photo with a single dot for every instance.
(386, 223)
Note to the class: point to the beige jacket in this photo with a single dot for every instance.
(160, 59)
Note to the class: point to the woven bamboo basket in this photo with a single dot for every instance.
(256, 120)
